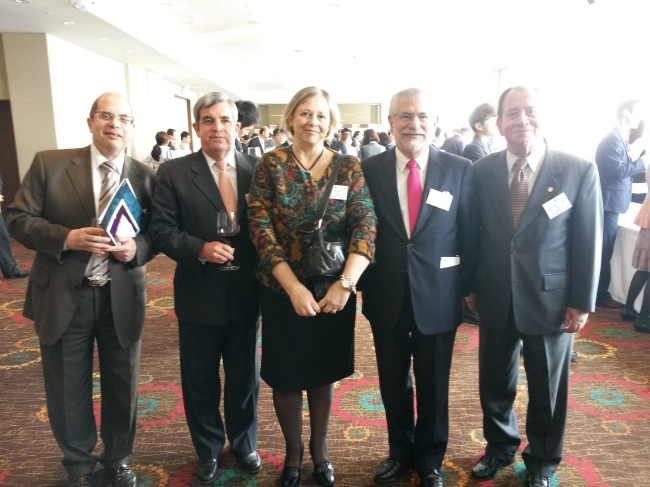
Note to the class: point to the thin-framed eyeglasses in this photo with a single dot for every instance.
(108, 117)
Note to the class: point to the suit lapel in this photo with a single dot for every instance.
(436, 172)
(244, 176)
(80, 173)
(132, 173)
(204, 180)
(547, 178)
(387, 173)
(497, 188)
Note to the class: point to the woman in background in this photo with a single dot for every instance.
(160, 152)
(370, 144)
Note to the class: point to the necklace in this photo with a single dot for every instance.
(301, 164)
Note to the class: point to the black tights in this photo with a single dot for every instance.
(636, 286)
(288, 408)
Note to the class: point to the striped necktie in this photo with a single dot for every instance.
(518, 190)
(110, 183)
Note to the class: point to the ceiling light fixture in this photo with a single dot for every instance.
(103, 38)
(298, 50)
(253, 22)
(129, 51)
(82, 5)
(67, 22)
(23, 1)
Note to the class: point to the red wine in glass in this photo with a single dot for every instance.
(227, 226)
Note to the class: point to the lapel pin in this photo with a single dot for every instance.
(550, 189)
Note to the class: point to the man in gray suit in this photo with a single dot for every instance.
(541, 218)
(83, 290)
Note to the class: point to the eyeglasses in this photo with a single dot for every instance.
(108, 117)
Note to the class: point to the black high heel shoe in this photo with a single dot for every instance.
(291, 475)
(323, 471)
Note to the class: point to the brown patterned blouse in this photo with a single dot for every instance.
(281, 213)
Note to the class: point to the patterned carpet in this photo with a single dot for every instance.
(607, 444)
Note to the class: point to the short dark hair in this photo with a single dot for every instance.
(171, 132)
(356, 132)
(508, 90)
(248, 114)
(277, 131)
(626, 105)
(480, 114)
(346, 130)
(184, 134)
(369, 135)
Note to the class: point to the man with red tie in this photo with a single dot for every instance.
(217, 306)
(426, 236)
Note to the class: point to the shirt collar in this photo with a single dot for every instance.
(534, 159)
(422, 159)
(97, 159)
(230, 160)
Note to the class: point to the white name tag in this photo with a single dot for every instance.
(339, 192)
(557, 205)
(440, 199)
(449, 262)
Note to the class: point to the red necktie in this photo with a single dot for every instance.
(518, 190)
(414, 190)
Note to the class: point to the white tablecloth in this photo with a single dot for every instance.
(622, 270)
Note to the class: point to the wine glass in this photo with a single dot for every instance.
(227, 226)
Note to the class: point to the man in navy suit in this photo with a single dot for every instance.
(412, 295)
(616, 169)
(541, 228)
(483, 121)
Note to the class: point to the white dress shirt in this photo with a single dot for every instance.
(402, 176)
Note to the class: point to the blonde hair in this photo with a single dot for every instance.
(301, 97)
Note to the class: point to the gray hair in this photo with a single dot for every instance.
(407, 93)
(211, 99)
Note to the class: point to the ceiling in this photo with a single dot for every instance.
(265, 51)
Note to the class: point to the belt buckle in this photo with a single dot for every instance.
(97, 281)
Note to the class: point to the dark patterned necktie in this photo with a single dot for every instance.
(518, 190)
(110, 183)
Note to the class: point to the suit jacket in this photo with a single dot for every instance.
(56, 196)
(371, 149)
(616, 171)
(183, 219)
(476, 149)
(257, 142)
(454, 145)
(545, 265)
(435, 292)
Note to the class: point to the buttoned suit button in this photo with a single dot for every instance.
(84, 261)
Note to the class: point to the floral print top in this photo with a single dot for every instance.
(283, 202)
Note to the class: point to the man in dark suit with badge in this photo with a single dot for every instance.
(217, 307)
(540, 242)
(83, 290)
(426, 237)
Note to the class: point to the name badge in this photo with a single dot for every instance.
(557, 205)
(440, 199)
(449, 262)
(339, 192)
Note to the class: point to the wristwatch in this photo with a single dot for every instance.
(348, 284)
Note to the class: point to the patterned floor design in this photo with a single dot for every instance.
(607, 445)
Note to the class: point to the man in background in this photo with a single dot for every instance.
(456, 143)
(249, 116)
(186, 138)
(616, 167)
(173, 141)
(483, 121)
(83, 289)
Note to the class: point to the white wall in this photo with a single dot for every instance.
(4, 85)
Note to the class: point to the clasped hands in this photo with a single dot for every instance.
(95, 240)
(305, 305)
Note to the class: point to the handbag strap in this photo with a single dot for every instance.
(328, 190)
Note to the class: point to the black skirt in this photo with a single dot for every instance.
(300, 353)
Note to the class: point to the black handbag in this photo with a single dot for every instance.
(326, 258)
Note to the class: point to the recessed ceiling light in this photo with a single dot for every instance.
(167, 4)
(23, 1)
(129, 51)
(334, 5)
(103, 38)
(253, 22)
(48, 13)
(298, 50)
(67, 22)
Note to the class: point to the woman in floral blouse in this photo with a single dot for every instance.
(307, 324)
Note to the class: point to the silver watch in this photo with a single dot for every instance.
(348, 284)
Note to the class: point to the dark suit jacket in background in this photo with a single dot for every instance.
(616, 170)
(545, 265)
(57, 196)
(454, 145)
(476, 149)
(186, 205)
(436, 293)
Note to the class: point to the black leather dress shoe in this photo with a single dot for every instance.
(18, 274)
(250, 462)
(389, 471)
(122, 476)
(629, 314)
(291, 475)
(431, 478)
(207, 470)
(487, 467)
(535, 480)
(609, 302)
(81, 481)
(642, 325)
(324, 473)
